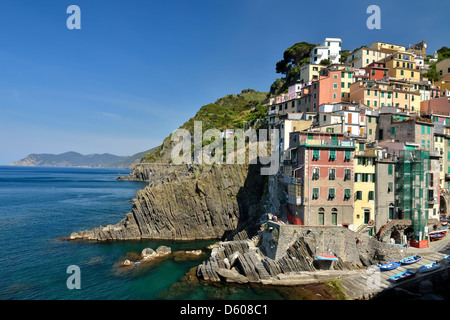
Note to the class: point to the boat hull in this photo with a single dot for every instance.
(389, 266)
(410, 260)
(402, 276)
(429, 267)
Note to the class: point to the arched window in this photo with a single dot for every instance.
(321, 216)
(334, 213)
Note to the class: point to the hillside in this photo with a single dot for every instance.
(230, 112)
(75, 159)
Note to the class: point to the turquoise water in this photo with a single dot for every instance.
(39, 206)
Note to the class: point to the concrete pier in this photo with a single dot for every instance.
(374, 283)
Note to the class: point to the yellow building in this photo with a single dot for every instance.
(386, 47)
(310, 72)
(402, 65)
(364, 186)
(392, 93)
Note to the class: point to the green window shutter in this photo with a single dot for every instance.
(315, 193)
(348, 155)
(392, 130)
(347, 193)
(358, 195)
(361, 147)
(331, 193)
(316, 154)
(423, 129)
(390, 167)
(390, 187)
(374, 177)
(428, 130)
(332, 155)
(371, 195)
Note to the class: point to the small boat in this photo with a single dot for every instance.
(403, 275)
(326, 257)
(429, 267)
(437, 235)
(390, 266)
(410, 260)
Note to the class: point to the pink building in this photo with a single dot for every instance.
(321, 191)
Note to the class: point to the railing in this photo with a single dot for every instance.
(371, 152)
(337, 143)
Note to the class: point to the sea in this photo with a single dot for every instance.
(40, 206)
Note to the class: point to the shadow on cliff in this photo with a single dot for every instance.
(250, 202)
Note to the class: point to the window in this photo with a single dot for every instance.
(357, 177)
(316, 174)
(423, 129)
(347, 193)
(392, 130)
(315, 193)
(321, 217)
(361, 147)
(348, 155)
(335, 85)
(428, 130)
(390, 187)
(371, 195)
(332, 155)
(331, 174)
(390, 168)
(335, 76)
(358, 195)
(316, 154)
(347, 174)
(331, 193)
(334, 217)
(368, 92)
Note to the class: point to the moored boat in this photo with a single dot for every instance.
(403, 275)
(389, 266)
(327, 257)
(429, 267)
(410, 260)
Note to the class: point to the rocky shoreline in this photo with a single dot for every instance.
(189, 202)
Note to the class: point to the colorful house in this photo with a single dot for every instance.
(364, 190)
(321, 190)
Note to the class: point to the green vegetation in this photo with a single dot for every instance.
(443, 53)
(294, 58)
(243, 110)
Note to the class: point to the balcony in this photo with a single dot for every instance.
(367, 153)
(327, 143)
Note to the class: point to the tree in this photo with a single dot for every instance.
(325, 62)
(294, 56)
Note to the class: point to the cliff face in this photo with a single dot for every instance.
(189, 202)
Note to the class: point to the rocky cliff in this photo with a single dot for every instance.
(190, 202)
(286, 255)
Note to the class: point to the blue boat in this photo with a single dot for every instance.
(410, 260)
(390, 266)
(403, 275)
(446, 259)
(429, 267)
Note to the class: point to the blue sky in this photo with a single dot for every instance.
(139, 69)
